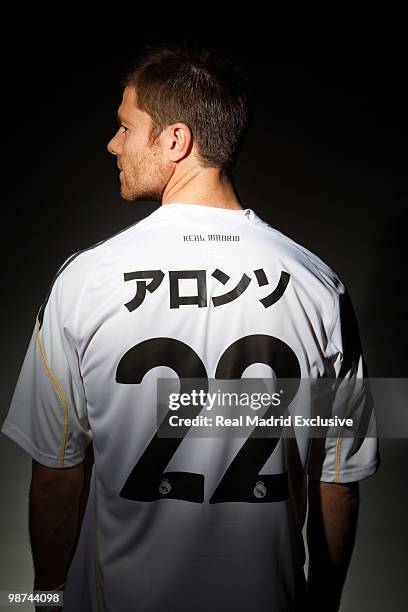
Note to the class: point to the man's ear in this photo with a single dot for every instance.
(178, 141)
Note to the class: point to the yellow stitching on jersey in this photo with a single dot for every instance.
(339, 438)
(60, 394)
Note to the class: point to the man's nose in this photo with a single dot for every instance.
(113, 146)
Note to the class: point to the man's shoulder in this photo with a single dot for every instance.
(79, 263)
(302, 263)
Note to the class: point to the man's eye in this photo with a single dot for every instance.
(122, 127)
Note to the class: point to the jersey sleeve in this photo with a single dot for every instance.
(347, 454)
(47, 417)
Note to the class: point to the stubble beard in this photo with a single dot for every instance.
(145, 179)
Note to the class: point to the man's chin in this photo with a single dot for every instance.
(139, 197)
(127, 195)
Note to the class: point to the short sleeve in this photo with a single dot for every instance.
(352, 454)
(47, 417)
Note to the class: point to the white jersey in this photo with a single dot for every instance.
(180, 294)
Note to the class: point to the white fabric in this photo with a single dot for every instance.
(172, 554)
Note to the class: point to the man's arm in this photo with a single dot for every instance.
(331, 529)
(87, 473)
(57, 501)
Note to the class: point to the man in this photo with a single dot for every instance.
(202, 288)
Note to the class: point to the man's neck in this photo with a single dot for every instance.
(208, 188)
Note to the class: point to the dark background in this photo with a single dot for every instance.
(323, 162)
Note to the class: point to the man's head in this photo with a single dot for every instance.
(183, 110)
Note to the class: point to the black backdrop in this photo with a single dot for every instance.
(324, 162)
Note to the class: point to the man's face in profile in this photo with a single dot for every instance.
(144, 174)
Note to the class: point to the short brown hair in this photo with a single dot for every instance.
(185, 82)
